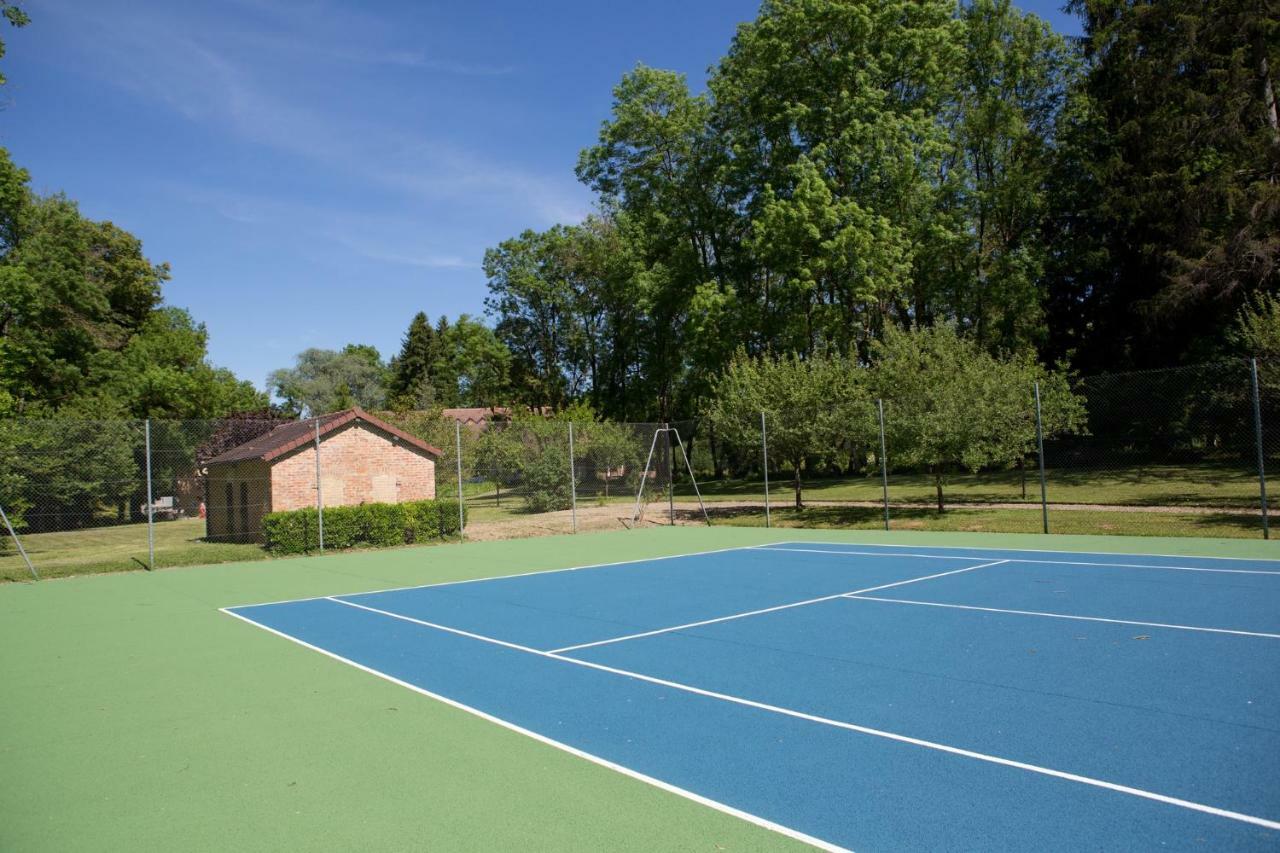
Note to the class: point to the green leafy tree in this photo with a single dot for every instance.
(950, 405)
(16, 17)
(476, 362)
(1010, 91)
(614, 453)
(813, 407)
(322, 380)
(531, 297)
(499, 455)
(82, 324)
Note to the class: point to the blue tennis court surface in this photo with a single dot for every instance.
(874, 697)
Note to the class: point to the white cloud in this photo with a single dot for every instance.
(190, 66)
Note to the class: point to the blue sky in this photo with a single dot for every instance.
(316, 172)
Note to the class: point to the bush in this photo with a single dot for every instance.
(342, 526)
(384, 525)
(447, 517)
(378, 524)
(292, 532)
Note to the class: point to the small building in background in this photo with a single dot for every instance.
(363, 459)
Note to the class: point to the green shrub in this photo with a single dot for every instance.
(421, 520)
(343, 526)
(292, 532)
(447, 517)
(378, 524)
(383, 524)
(546, 480)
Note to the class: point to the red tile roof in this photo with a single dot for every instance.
(291, 436)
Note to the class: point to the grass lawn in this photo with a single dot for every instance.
(1163, 485)
(138, 717)
(119, 548)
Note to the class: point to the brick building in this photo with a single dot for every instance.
(362, 460)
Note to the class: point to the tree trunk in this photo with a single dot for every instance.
(1268, 91)
(796, 483)
(714, 446)
(937, 484)
(1022, 469)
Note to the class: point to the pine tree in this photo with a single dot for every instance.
(412, 368)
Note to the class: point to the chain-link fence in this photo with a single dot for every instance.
(1177, 452)
(1172, 452)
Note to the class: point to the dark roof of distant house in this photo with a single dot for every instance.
(291, 436)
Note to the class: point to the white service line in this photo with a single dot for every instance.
(595, 759)
(856, 597)
(1023, 560)
(773, 609)
(853, 727)
(500, 577)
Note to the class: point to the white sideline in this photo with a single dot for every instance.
(856, 597)
(595, 759)
(503, 577)
(762, 610)
(1020, 560)
(1016, 550)
(893, 736)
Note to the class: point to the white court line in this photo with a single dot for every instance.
(856, 597)
(595, 759)
(1021, 560)
(1018, 550)
(504, 577)
(880, 733)
(774, 609)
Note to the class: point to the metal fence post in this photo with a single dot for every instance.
(319, 492)
(18, 542)
(151, 510)
(671, 477)
(764, 450)
(457, 441)
(573, 482)
(1257, 433)
(884, 464)
(1044, 495)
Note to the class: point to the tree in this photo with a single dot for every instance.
(1011, 88)
(611, 451)
(813, 407)
(476, 363)
(163, 372)
(498, 455)
(411, 384)
(951, 405)
(12, 13)
(323, 379)
(530, 295)
(1172, 195)
(83, 324)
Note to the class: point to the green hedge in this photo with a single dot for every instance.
(378, 524)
